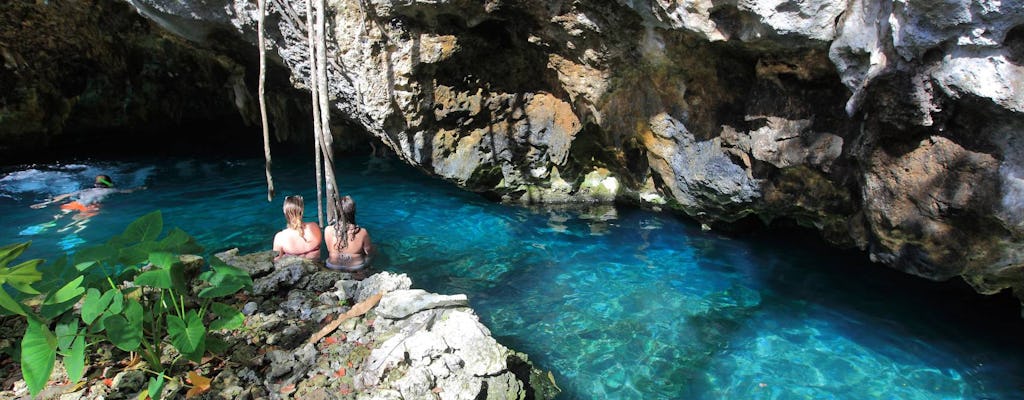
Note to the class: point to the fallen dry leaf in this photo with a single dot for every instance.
(356, 310)
(200, 384)
(330, 340)
(288, 388)
(109, 382)
(340, 372)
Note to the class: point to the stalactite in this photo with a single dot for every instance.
(263, 100)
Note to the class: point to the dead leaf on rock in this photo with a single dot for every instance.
(340, 372)
(356, 310)
(200, 384)
(288, 388)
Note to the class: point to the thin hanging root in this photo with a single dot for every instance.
(315, 101)
(263, 100)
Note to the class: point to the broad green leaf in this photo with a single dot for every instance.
(178, 278)
(38, 353)
(9, 303)
(55, 272)
(95, 304)
(216, 345)
(156, 386)
(179, 242)
(121, 334)
(22, 275)
(135, 254)
(125, 331)
(66, 331)
(146, 228)
(72, 290)
(133, 311)
(100, 324)
(157, 277)
(10, 252)
(52, 311)
(74, 359)
(187, 335)
(116, 302)
(225, 280)
(99, 254)
(82, 266)
(162, 259)
(224, 287)
(230, 317)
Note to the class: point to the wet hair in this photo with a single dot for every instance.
(345, 217)
(103, 181)
(293, 209)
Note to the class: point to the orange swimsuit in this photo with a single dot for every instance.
(85, 210)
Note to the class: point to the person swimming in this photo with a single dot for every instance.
(85, 202)
(349, 246)
(299, 238)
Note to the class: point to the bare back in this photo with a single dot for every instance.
(289, 242)
(359, 245)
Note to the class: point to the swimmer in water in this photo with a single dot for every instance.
(85, 202)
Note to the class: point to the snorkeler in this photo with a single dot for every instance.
(85, 202)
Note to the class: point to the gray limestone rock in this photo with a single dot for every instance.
(382, 282)
(709, 107)
(399, 304)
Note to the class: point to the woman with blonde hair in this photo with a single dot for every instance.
(299, 238)
(348, 245)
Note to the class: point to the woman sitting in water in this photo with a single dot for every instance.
(348, 245)
(299, 238)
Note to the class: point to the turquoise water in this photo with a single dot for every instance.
(620, 303)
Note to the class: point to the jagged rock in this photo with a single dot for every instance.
(383, 282)
(806, 111)
(718, 109)
(399, 304)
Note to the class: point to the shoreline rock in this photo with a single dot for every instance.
(412, 345)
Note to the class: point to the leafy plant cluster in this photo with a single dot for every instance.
(153, 308)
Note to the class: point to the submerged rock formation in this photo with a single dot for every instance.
(886, 125)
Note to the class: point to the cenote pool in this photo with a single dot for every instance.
(621, 304)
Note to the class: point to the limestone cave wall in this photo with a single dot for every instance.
(889, 125)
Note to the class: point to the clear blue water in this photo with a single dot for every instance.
(621, 304)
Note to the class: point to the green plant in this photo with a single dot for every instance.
(155, 310)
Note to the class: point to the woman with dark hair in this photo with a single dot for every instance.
(299, 238)
(348, 245)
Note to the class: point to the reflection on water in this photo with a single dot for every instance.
(620, 303)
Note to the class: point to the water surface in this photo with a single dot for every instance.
(620, 303)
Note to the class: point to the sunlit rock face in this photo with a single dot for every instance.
(888, 125)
